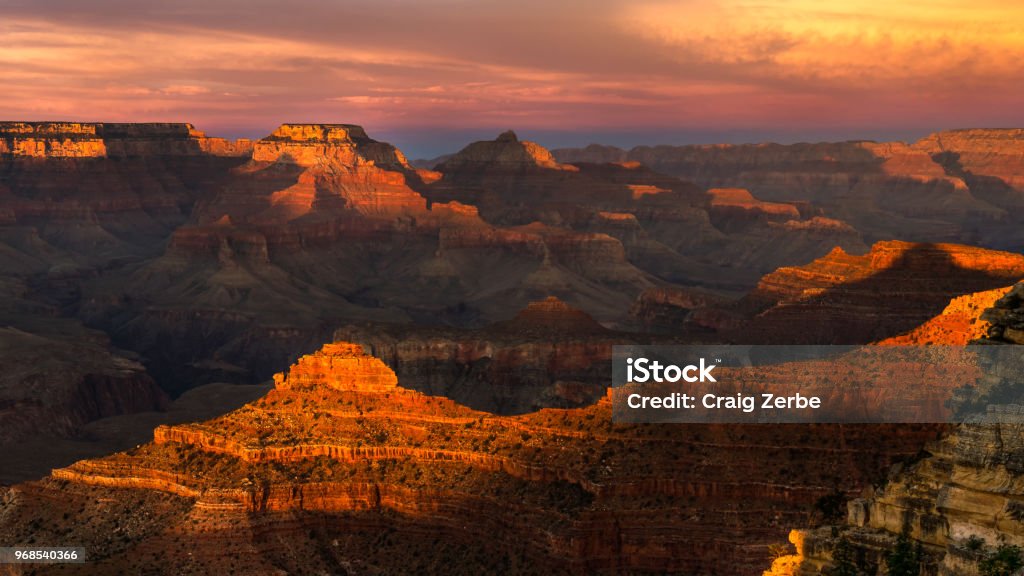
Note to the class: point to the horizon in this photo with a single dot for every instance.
(420, 145)
(427, 74)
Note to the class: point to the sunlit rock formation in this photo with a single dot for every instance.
(988, 159)
(961, 499)
(341, 460)
(111, 140)
(845, 298)
(958, 324)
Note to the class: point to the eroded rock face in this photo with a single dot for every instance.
(337, 453)
(668, 227)
(505, 151)
(885, 190)
(50, 386)
(959, 323)
(844, 298)
(81, 201)
(960, 500)
(1006, 317)
(985, 158)
(111, 140)
(549, 355)
(312, 144)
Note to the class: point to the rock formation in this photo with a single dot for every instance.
(884, 190)
(1006, 318)
(341, 460)
(549, 355)
(959, 323)
(50, 386)
(961, 499)
(989, 160)
(844, 298)
(218, 261)
(109, 140)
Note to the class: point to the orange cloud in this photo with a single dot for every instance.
(584, 65)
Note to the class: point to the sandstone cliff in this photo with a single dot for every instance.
(987, 159)
(958, 324)
(844, 298)
(960, 500)
(884, 190)
(340, 459)
(549, 355)
(110, 140)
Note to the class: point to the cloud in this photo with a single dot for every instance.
(586, 65)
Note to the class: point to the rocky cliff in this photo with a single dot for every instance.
(549, 355)
(916, 192)
(960, 500)
(50, 386)
(111, 140)
(958, 324)
(896, 286)
(990, 161)
(340, 459)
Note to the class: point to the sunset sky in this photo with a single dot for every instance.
(430, 75)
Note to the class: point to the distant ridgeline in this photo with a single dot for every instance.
(97, 140)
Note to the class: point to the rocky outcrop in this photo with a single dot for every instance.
(960, 503)
(337, 451)
(110, 140)
(961, 500)
(853, 299)
(51, 385)
(312, 144)
(317, 171)
(513, 181)
(736, 203)
(985, 158)
(959, 323)
(592, 153)
(549, 355)
(669, 309)
(668, 227)
(884, 190)
(506, 151)
(1006, 318)
(342, 366)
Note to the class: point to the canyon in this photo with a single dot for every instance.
(947, 187)
(155, 283)
(341, 468)
(959, 499)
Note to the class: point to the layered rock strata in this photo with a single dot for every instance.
(961, 500)
(338, 468)
(111, 140)
(844, 298)
(947, 187)
(549, 355)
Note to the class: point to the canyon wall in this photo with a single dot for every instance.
(846, 299)
(961, 499)
(946, 187)
(339, 450)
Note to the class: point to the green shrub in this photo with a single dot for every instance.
(1004, 561)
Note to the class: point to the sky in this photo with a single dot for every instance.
(432, 75)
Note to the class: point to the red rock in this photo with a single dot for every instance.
(844, 298)
(980, 153)
(558, 491)
(958, 324)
